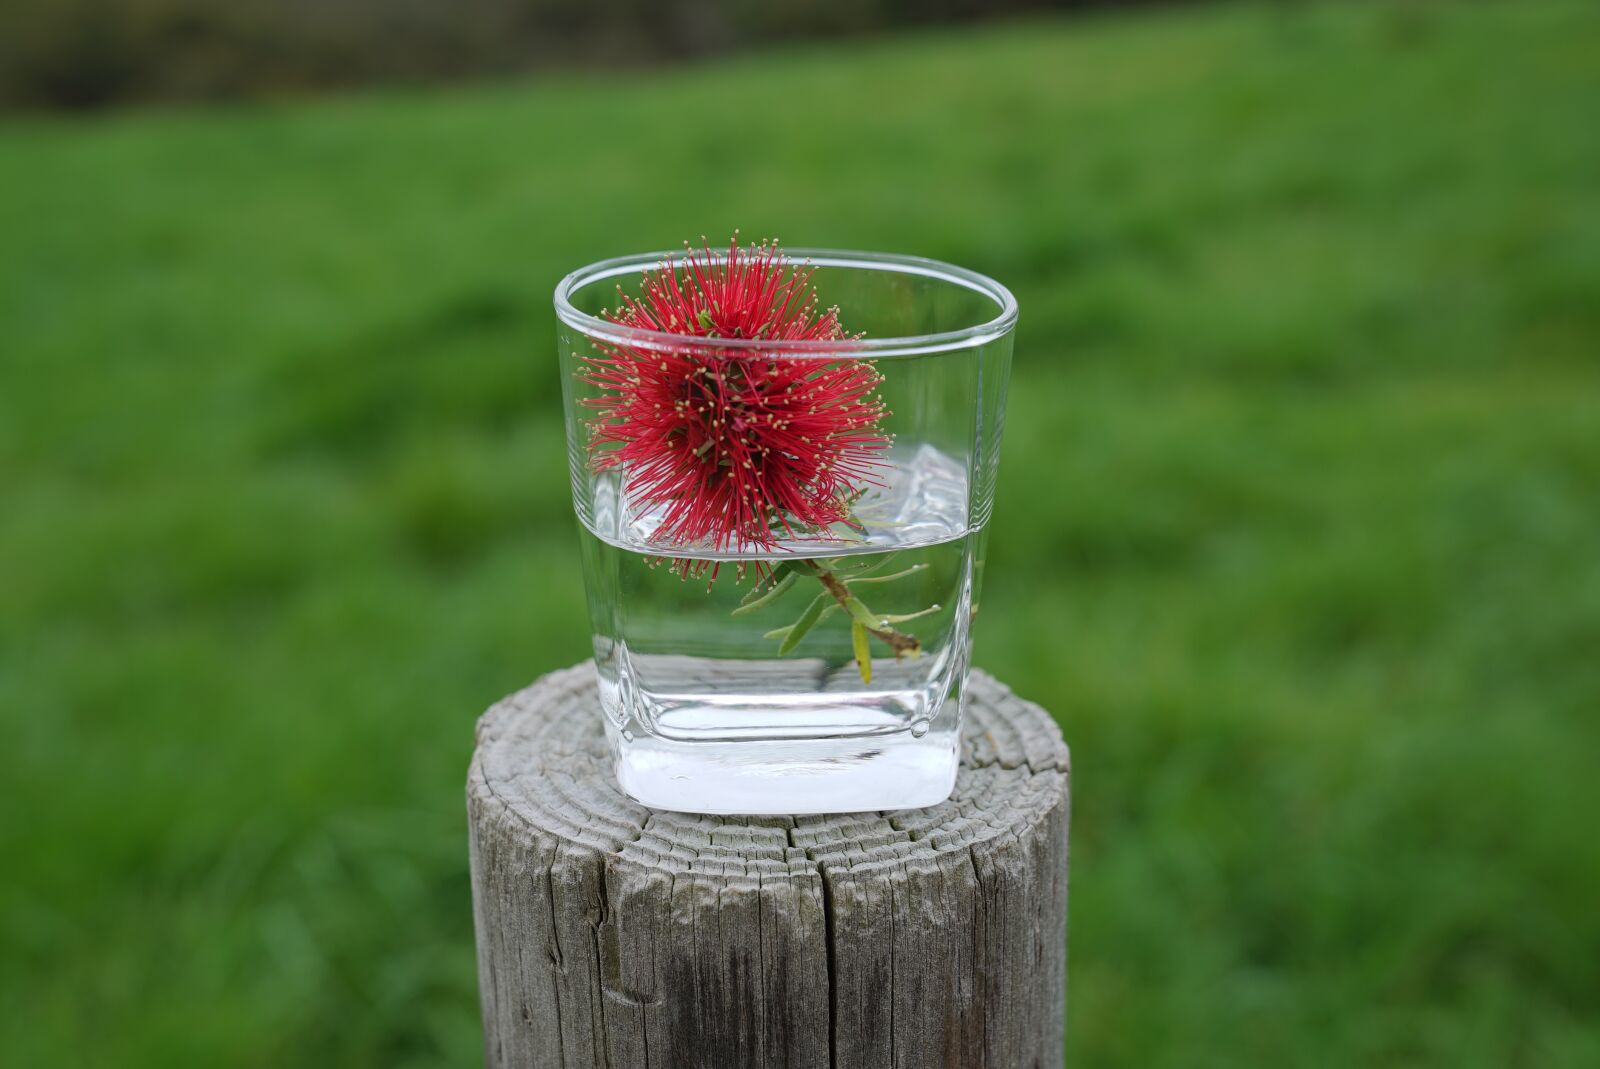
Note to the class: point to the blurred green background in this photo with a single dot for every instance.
(1297, 526)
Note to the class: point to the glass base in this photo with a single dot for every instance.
(786, 738)
(898, 770)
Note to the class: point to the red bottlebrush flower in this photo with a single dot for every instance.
(734, 447)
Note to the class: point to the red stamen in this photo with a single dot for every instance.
(735, 448)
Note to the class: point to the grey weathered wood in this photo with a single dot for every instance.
(614, 935)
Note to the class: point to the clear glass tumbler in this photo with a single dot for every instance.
(783, 536)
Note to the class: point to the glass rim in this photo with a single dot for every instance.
(871, 348)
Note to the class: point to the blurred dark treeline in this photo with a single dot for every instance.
(95, 53)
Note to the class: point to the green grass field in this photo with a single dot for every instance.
(1298, 529)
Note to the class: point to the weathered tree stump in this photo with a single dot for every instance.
(614, 935)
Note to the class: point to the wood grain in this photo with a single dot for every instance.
(618, 936)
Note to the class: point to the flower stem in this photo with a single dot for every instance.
(876, 626)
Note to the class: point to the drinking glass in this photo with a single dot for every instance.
(815, 670)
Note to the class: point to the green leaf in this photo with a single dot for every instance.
(771, 595)
(766, 583)
(858, 639)
(807, 621)
(914, 569)
(860, 563)
(861, 614)
(903, 617)
(780, 632)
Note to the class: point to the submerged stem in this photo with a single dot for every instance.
(876, 626)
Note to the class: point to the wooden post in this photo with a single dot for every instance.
(614, 935)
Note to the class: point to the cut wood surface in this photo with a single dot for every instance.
(614, 935)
